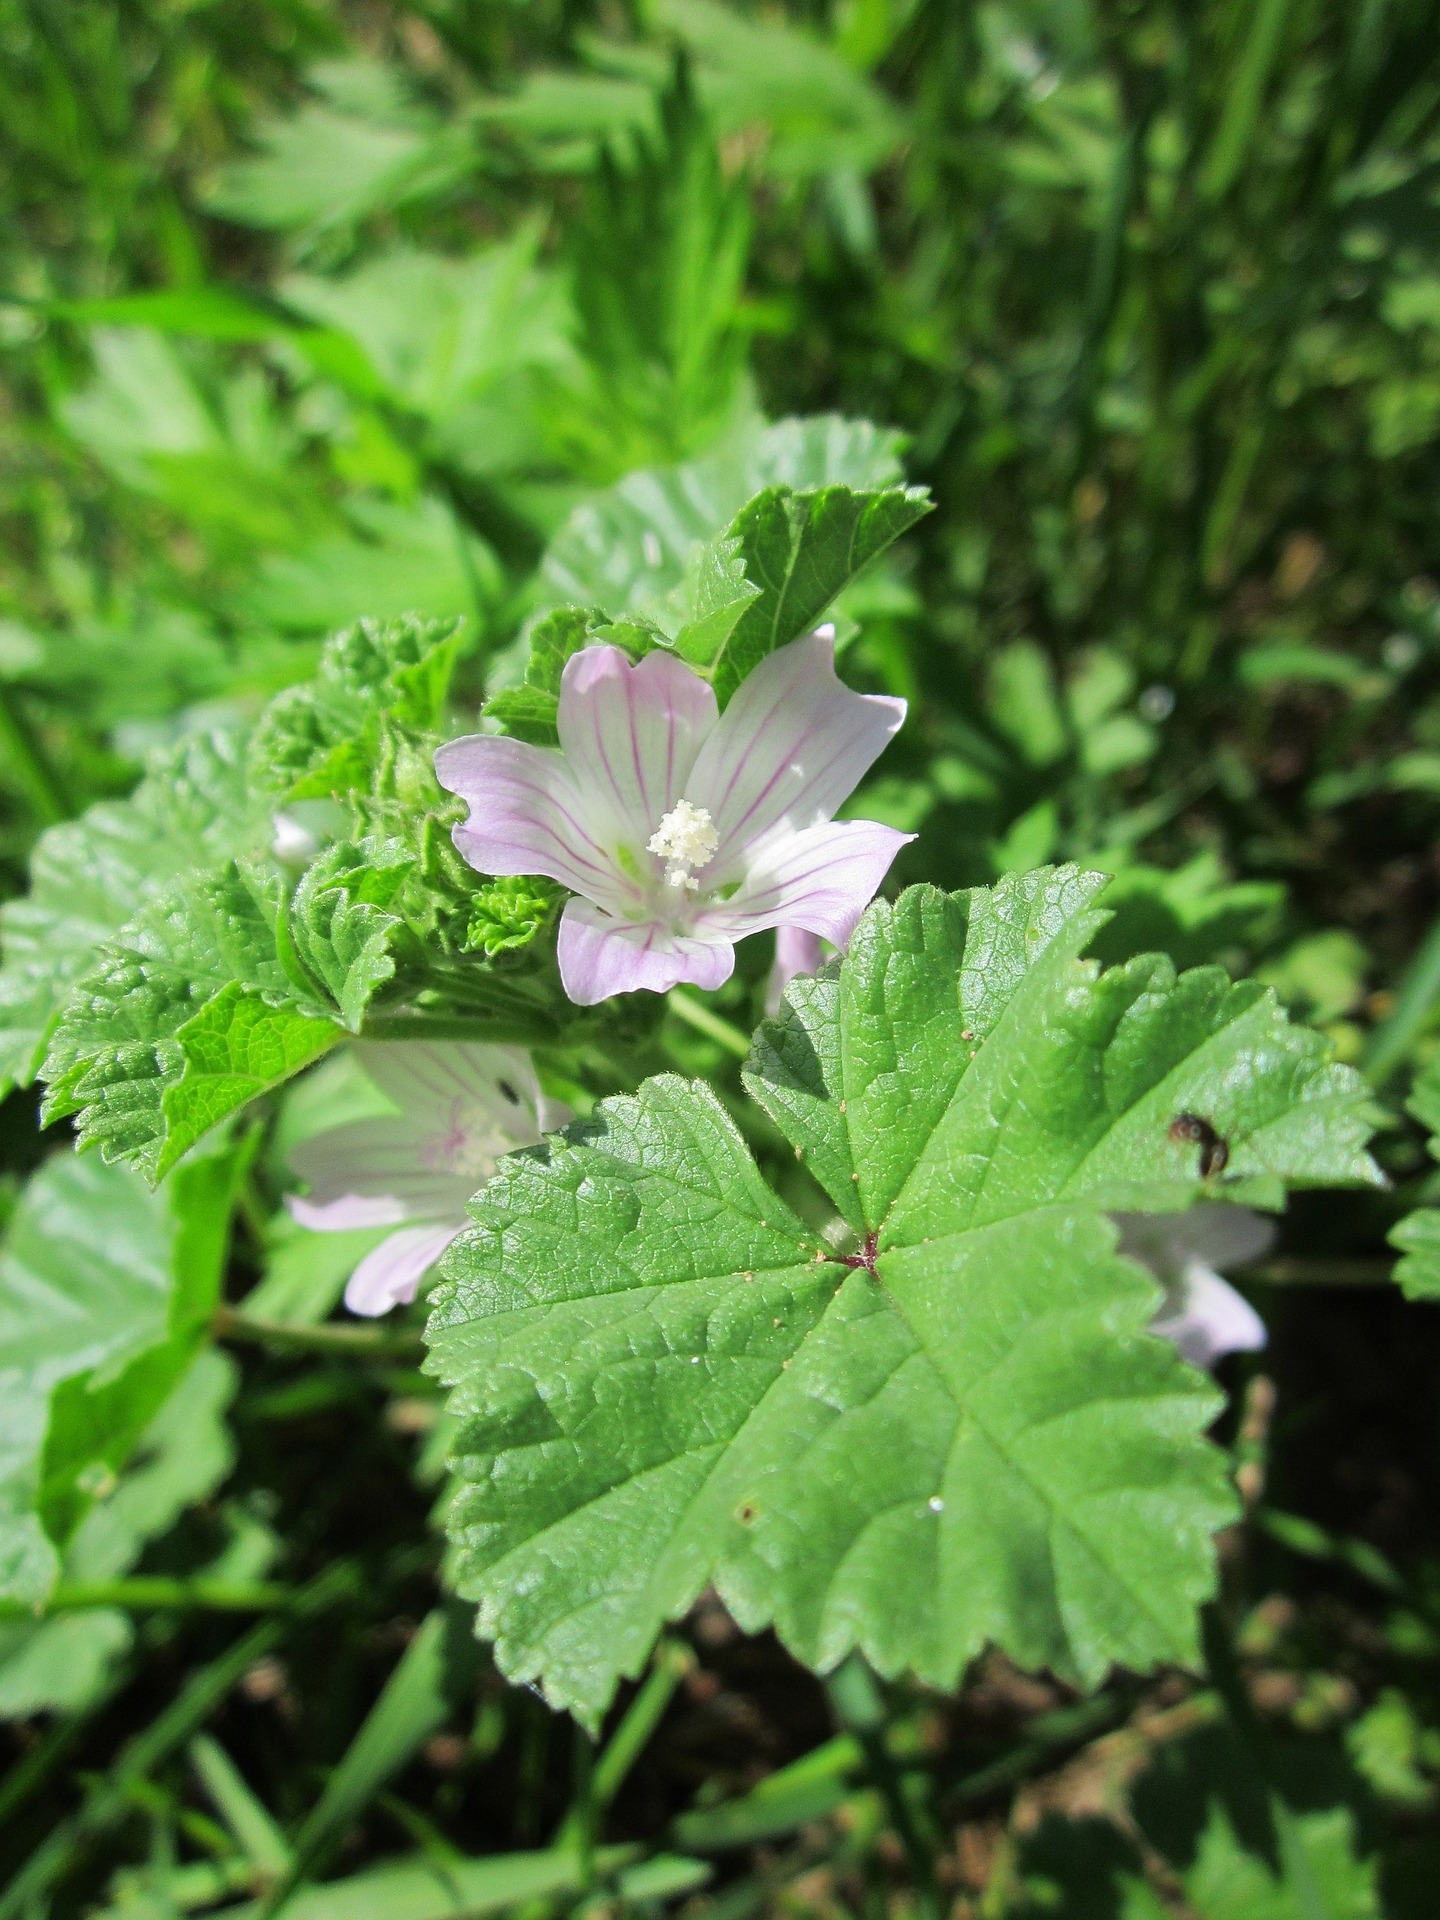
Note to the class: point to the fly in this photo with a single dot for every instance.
(1190, 1128)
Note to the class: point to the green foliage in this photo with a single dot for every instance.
(509, 913)
(178, 1460)
(722, 598)
(629, 548)
(163, 1022)
(1149, 295)
(1418, 1234)
(89, 875)
(322, 739)
(1193, 913)
(800, 550)
(363, 148)
(1229, 1882)
(666, 1379)
(665, 353)
(106, 1292)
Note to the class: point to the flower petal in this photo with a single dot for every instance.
(1212, 1319)
(601, 956)
(351, 1210)
(792, 745)
(797, 951)
(526, 816)
(630, 731)
(1213, 1231)
(821, 880)
(1222, 1234)
(380, 1159)
(391, 1273)
(425, 1078)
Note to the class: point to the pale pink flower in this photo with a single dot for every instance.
(679, 829)
(1201, 1315)
(461, 1105)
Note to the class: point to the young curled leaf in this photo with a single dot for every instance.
(323, 737)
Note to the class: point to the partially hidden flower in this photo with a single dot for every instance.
(679, 829)
(1201, 1315)
(460, 1106)
(796, 952)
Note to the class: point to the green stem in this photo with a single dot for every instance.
(673, 1660)
(1395, 1035)
(365, 1343)
(34, 1768)
(860, 1709)
(704, 1020)
(148, 1592)
(1067, 1726)
(108, 1801)
(34, 771)
(1321, 1273)
(1243, 95)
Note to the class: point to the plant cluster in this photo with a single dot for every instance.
(721, 735)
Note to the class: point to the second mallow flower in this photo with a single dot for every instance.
(680, 829)
(1202, 1315)
(459, 1106)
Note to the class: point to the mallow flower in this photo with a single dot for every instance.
(1202, 1315)
(460, 1106)
(679, 829)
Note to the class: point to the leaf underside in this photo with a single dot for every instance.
(664, 1379)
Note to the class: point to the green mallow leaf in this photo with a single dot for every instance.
(192, 1002)
(1418, 1234)
(236, 1048)
(106, 1291)
(180, 1458)
(722, 602)
(323, 738)
(628, 549)
(665, 1379)
(528, 713)
(340, 922)
(799, 550)
(707, 607)
(88, 877)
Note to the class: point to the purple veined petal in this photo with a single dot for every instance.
(351, 1210)
(1210, 1320)
(797, 951)
(630, 731)
(792, 745)
(821, 880)
(601, 956)
(383, 1159)
(390, 1274)
(526, 816)
(426, 1079)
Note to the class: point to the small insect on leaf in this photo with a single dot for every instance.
(1188, 1128)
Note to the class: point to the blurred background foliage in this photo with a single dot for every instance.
(319, 310)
